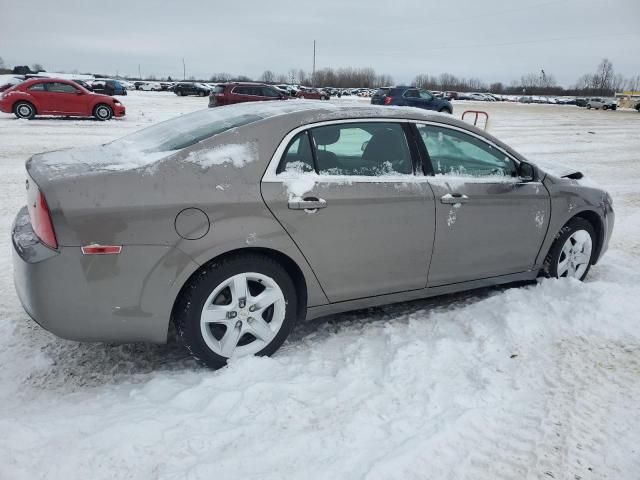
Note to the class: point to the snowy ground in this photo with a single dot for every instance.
(536, 382)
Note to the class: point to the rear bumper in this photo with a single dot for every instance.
(105, 298)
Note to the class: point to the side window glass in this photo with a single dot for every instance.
(369, 149)
(411, 94)
(38, 87)
(298, 157)
(457, 153)
(60, 88)
(426, 95)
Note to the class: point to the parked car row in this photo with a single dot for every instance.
(408, 96)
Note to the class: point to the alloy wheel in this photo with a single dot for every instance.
(575, 255)
(242, 315)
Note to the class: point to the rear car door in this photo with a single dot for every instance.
(411, 98)
(347, 194)
(489, 222)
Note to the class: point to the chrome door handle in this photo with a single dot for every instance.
(453, 198)
(310, 204)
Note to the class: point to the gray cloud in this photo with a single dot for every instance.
(494, 40)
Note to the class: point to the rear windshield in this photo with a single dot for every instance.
(218, 89)
(382, 92)
(185, 130)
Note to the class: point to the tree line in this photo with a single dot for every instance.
(604, 81)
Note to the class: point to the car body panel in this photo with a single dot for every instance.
(137, 207)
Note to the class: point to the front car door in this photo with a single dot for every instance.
(347, 194)
(65, 98)
(488, 221)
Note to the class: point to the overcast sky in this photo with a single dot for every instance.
(494, 40)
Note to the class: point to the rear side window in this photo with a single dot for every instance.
(369, 149)
(456, 153)
(298, 156)
(58, 87)
(38, 87)
(242, 91)
(412, 94)
(382, 92)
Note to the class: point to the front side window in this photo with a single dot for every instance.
(456, 153)
(369, 149)
(57, 87)
(426, 95)
(269, 92)
(38, 87)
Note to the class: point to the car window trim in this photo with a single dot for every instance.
(271, 176)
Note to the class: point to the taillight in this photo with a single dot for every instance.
(41, 221)
(387, 100)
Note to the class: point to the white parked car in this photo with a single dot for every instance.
(151, 87)
(603, 103)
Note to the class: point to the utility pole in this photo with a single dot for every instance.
(313, 72)
(139, 74)
(184, 70)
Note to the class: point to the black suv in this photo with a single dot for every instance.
(187, 88)
(411, 97)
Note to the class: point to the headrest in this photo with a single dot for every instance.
(326, 135)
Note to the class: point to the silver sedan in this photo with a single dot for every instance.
(235, 223)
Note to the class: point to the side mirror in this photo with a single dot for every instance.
(526, 172)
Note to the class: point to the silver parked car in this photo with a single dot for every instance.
(235, 223)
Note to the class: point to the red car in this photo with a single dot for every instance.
(230, 93)
(53, 96)
(312, 94)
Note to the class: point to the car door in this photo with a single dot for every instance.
(65, 98)
(411, 98)
(347, 195)
(489, 221)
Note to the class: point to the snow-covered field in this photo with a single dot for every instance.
(536, 382)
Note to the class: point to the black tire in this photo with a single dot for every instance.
(575, 224)
(605, 107)
(186, 314)
(103, 112)
(445, 110)
(588, 107)
(201, 94)
(24, 110)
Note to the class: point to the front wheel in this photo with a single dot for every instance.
(103, 112)
(605, 107)
(588, 107)
(242, 305)
(445, 110)
(572, 251)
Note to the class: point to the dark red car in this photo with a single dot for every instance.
(312, 94)
(230, 93)
(53, 96)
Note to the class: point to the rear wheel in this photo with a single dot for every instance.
(24, 110)
(103, 112)
(572, 251)
(242, 305)
(445, 110)
(605, 107)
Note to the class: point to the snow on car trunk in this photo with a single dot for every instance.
(540, 381)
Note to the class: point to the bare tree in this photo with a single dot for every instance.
(267, 76)
(36, 67)
(604, 76)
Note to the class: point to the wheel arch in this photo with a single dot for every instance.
(23, 100)
(290, 266)
(598, 226)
